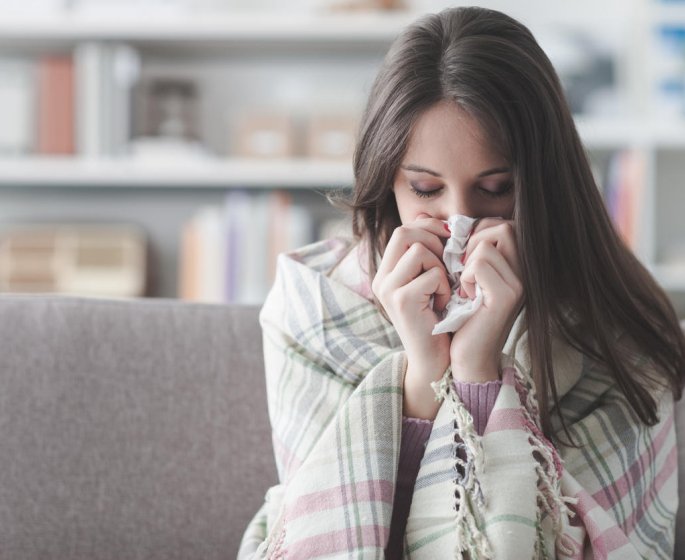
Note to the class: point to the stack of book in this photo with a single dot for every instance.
(37, 106)
(228, 254)
(38, 100)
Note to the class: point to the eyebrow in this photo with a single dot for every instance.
(493, 171)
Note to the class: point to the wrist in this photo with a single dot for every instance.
(418, 395)
(475, 372)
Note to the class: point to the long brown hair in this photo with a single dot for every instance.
(571, 255)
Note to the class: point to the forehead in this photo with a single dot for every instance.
(445, 134)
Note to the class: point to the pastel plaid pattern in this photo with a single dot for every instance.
(334, 372)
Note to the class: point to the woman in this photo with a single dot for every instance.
(542, 427)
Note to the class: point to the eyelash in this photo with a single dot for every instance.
(486, 192)
(424, 194)
(505, 190)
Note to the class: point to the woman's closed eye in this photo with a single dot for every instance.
(503, 190)
(424, 192)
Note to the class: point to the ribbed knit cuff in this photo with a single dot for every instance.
(415, 434)
(479, 399)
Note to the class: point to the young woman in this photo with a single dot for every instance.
(543, 426)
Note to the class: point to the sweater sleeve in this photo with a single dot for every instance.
(415, 433)
(479, 399)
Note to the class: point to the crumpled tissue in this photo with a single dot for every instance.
(458, 309)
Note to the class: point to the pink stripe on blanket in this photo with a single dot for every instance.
(338, 541)
(603, 541)
(623, 484)
(285, 457)
(504, 419)
(365, 491)
(665, 473)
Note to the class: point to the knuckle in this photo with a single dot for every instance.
(433, 273)
(515, 292)
(508, 227)
(519, 290)
(379, 290)
(415, 248)
(401, 233)
(477, 261)
(401, 299)
(375, 285)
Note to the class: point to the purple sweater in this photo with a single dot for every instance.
(479, 399)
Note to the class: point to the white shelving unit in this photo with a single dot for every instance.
(356, 44)
(221, 29)
(206, 173)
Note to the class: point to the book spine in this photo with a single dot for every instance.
(56, 106)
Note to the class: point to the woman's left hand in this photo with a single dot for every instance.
(492, 261)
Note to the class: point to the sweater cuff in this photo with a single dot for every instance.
(479, 399)
(415, 434)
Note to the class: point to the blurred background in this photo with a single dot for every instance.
(171, 148)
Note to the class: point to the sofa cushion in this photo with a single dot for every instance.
(129, 428)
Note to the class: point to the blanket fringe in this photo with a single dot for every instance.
(467, 487)
(549, 469)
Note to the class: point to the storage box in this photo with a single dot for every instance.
(266, 135)
(85, 259)
(331, 136)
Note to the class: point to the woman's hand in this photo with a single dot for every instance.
(492, 261)
(412, 272)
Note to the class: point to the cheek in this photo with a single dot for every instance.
(409, 207)
(509, 210)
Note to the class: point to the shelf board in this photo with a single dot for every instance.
(286, 27)
(304, 173)
(174, 173)
(608, 133)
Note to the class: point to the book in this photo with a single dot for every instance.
(228, 254)
(624, 194)
(55, 104)
(188, 285)
(106, 76)
(16, 107)
(210, 254)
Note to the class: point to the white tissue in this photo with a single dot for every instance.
(458, 309)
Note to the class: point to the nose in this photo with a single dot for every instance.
(455, 202)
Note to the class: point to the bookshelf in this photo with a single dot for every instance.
(208, 30)
(290, 173)
(318, 60)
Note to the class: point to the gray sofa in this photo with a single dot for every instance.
(134, 429)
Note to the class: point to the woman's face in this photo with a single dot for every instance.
(450, 168)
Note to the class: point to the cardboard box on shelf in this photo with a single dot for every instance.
(90, 260)
(331, 136)
(266, 135)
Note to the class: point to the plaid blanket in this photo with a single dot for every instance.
(334, 369)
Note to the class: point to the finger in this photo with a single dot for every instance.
(496, 291)
(404, 237)
(416, 260)
(502, 236)
(487, 251)
(439, 227)
(434, 283)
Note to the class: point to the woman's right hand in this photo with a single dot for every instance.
(412, 272)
